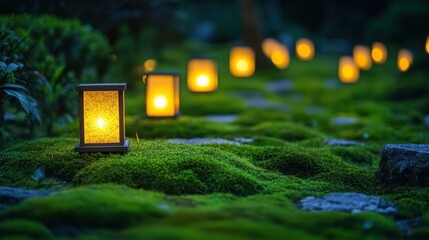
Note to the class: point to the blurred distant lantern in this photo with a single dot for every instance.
(202, 75)
(276, 52)
(347, 70)
(242, 61)
(405, 59)
(269, 45)
(427, 44)
(149, 65)
(304, 49)
(101, 117)
(379, 52)
(362, 57)
(162, 94)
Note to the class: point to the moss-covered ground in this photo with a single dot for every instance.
(162, 190)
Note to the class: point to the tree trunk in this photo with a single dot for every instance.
(252, 31)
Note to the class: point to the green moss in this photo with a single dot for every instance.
(256, 116)
(284, 130)
(355, 154)
(184, 127)
(93, 206)
(23, 229)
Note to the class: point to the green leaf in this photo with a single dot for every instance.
(22, 98)
(57, 74)
(12, 67)
(14, 87)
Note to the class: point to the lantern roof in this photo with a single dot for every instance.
(101, 87)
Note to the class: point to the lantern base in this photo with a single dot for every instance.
(104, 148)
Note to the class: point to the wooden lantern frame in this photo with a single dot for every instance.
(123, 145)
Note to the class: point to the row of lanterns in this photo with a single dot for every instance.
(101, 106)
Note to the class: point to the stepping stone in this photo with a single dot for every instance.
(343, 142)
(426, 119)
(256, 100)
(344, 121)
(243, 140)
(347, 202)
(199, 141)
(332, 83)
(222, 118)
(404, 164)
(11, 195)
(279, 86)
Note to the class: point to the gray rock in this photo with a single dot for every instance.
(11, 195)
(342, 121)
(198, 141)
(347, 202)
(243, 140)
(39, 174)
(280, 86)
(407, 225)
(343, 142)
(426, 119)
(222, 118)
(256, 100)
(404, 164)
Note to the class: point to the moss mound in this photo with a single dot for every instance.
(284, 130)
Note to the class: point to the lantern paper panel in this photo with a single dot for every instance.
(202, 75)
(102, 126)
(101, 116)
(379, 52)
(362, 57)
(280, 56)
(347, 70)
(405, 59)
(242, 61)
(304, 49)
(162, 94)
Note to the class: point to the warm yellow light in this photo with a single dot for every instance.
(269, 45)
(379, 52)
(427, 44)
(162, 95)
(280, 57)
(304, 49)
(242, 61)
(405, 59)
(202, 75)
(242, 65)
(103, 129)
(362, 57)
(101, 123)
(202, 80)
(149, 65)
(160, 102)
(347, 70)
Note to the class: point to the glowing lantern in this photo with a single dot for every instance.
(149, 65)
(242, 61)
(347, 70)
(362, 57)
(304, 49)
(269, 45)
(101, 117)
(427, 44)
(379, 52)
(405, 59)
(202, 75)
(280, 56)
(162, 94)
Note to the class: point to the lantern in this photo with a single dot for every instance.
(202, 75)
(162, 94)
(405, 59)
(427, 44)
(242, 61)
(379, 52)
(276, 52)
(304, 49)
(362, 57)
(101, 117)
(347, 70)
